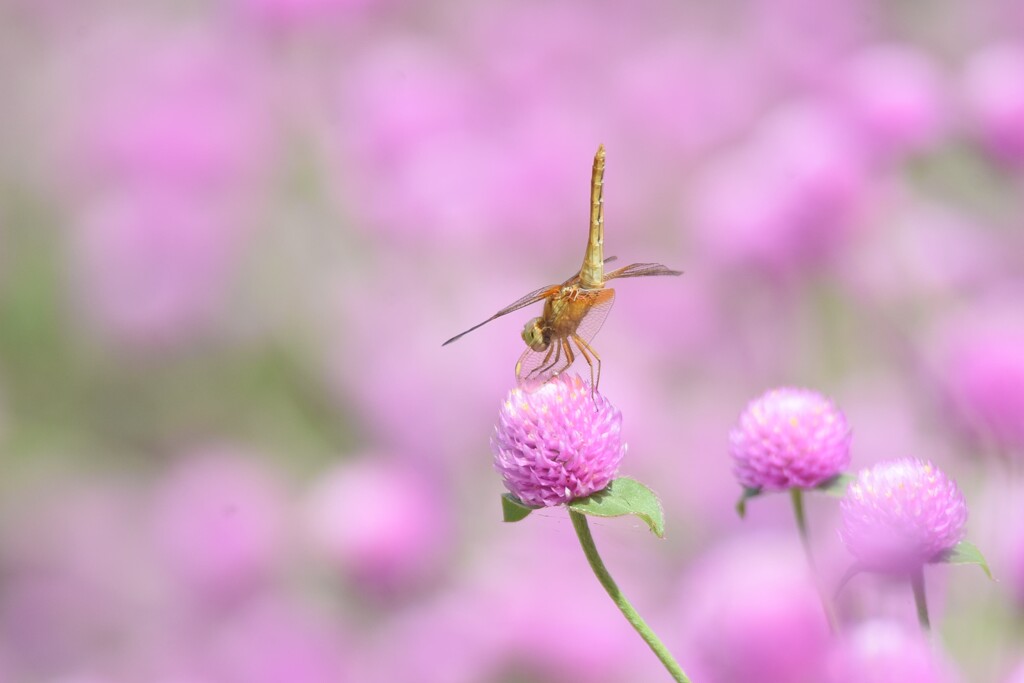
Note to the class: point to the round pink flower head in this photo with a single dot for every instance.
(789, 438)
(901, 514)
(557, 442)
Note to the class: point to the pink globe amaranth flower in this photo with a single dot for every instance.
(883, 651)
(557, 442)
(994, 98)
(902, 514)
(789, 438)
(380, 522)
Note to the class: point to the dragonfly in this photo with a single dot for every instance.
(574, 310)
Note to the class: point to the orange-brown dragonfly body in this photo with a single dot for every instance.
(574, 310)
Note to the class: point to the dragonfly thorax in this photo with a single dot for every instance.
(537, 335)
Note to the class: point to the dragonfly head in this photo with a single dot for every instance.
(536, 336)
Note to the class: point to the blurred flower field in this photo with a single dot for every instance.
(234, 234)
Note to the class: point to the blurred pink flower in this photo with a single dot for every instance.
(1013, 542)
(75, 570)
(383, 381)
(789, 438)
(585, 638)
(445, 639)
(983, 372)
(408, 116)
(751, 613)
(686, 95)
(1017, 675)
(894, 95)
(288, 13)
(929, 247)
(887, 652)
(584, 641)
(219, 521)
(169, 140)
(556, 442)
(379, 521)
(994, 97)
(786, 201)
(454, 637)
(902, 514)
(183, 109)
(275, 640)
(531, 48)
(397, 95)
(800, 41)
(434, 160)
(153, 268)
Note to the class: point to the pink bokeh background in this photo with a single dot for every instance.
(234, 233)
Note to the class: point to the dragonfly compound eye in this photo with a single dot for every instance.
(535, 336)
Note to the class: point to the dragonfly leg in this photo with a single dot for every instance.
(586, 357)
(554, 349)
(570, 357)
(587, 350)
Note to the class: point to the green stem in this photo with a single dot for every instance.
(920, 598)
(797, 496)
(579, 522)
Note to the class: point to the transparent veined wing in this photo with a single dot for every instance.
(570, 342)
(596, 314)
(641, 270)
(531, 298)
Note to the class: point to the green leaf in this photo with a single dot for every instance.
(836, 486)
(741, 504)
(624, 496)
(513, 509)
(966, 553)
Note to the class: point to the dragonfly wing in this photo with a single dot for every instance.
(641, 270)
(565, 353)
(531, 298)
(539, 366)
(596, 314)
